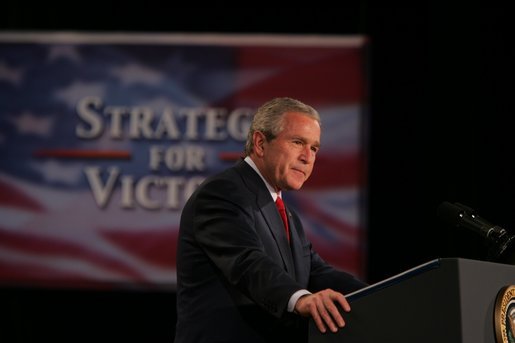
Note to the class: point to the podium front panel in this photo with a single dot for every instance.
(443, 301)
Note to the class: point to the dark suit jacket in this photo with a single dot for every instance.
(235, 268)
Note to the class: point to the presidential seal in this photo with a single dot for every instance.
(504, 315)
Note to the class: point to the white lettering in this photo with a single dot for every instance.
(210, 124)
(215, 122)
(143, 188)
(175, 158)
(167, 125)
(141, 123)
(149, 192)
(117, 113)
(101, 192)
(238, 123)
(85, 110)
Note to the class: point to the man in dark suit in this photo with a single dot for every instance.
(242, 276)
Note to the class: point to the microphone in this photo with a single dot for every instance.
(500, 242)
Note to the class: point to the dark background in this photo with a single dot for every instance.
(442, 84)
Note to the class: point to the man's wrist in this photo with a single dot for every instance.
(295, 297)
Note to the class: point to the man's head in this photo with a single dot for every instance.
(283, 140)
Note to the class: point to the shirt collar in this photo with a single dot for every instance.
(271, 189)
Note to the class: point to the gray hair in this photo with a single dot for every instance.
(268, 118)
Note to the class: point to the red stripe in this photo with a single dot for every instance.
(44, 246)
(230, 156)
(337, 170)
(328, 220)
(11, 196)
(338, 72)
(155, 246)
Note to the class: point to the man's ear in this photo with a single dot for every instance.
(259, 140)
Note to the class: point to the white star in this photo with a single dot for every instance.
(78, 90)
(134, 73)
(60, 172)
(10, 74)
(27, 123)
(68, 52)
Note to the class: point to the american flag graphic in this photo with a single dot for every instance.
(104, 136)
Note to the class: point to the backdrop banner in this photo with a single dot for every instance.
(104, 136)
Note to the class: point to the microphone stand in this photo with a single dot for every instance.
(499, 241)
(501, 246)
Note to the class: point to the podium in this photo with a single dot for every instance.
(446, 300)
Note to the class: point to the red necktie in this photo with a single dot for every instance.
(282, 211)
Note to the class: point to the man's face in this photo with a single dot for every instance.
(289, 158)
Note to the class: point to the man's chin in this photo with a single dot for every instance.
(294, 186)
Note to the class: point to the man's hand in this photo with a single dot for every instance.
(321, 307)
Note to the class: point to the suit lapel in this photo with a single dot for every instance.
(298, 254)
(276, 226)
(270, 213)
